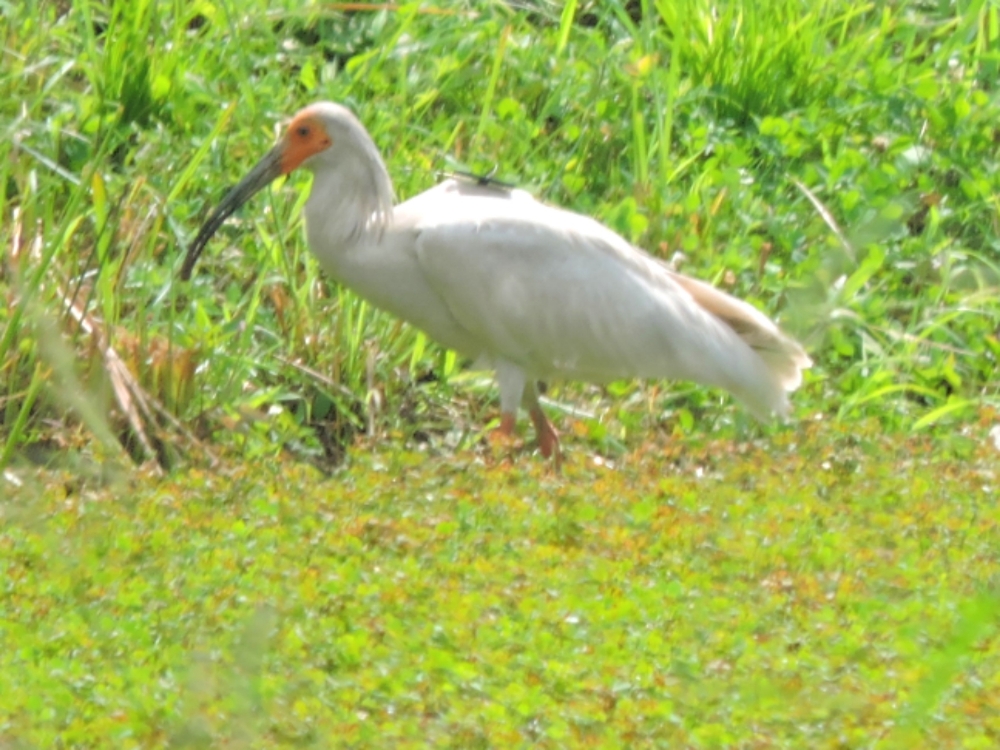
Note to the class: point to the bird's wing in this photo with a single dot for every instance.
(561, 295)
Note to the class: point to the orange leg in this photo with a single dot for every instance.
(548, 438)
(506, 428)
(503, 437)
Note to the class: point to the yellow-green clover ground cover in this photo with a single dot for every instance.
(818, 589)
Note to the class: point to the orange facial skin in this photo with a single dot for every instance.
(305, 137)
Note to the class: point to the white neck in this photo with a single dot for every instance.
(350, 202)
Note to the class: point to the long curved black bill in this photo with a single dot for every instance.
(266, 170)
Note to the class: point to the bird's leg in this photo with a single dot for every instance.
(548, 438)
(507, 423)
(512, 381)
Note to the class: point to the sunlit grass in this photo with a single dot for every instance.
(692, 579)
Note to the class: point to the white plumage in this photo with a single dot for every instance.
(529, 290)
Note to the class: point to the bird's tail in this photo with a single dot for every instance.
(783, 356)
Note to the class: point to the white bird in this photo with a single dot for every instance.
(529, 290)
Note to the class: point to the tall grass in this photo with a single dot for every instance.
(834, 163)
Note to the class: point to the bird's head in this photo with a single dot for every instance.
(322, 135)
(307, 135)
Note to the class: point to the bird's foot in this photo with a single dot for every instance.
(548, 438)
(502, 439)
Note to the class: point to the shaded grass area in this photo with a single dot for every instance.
(825, 588)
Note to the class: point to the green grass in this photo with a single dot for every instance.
(693, 579)
(671, 600)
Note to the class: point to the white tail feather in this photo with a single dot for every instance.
(783, 356)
